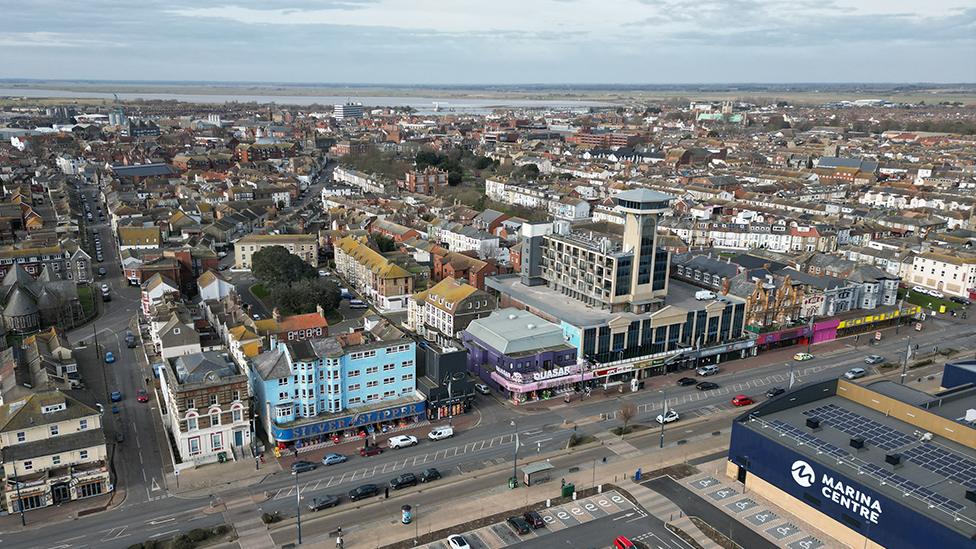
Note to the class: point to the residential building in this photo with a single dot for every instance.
(206, 398)
(462, 238)
(305, 246)
(445, 310)
(212, 285)
(347, 111)
(155, 290)
(373, 274)
(53, 451)
(945, 271)
(423, 181)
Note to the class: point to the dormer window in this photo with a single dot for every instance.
(176, 331)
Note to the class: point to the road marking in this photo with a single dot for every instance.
(623, 516)
(156, 522)
(166, 533)
(330, 481)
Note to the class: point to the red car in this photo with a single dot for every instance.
(623, 543)
(142, 395)
(370, 451)
(741, 400)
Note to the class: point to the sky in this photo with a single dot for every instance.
(491, 41)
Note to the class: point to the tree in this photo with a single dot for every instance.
(385, 243)
(305, 295)
(275, 265)
(483, 163)
(627, 413)
(527, 171)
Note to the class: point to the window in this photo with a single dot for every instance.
(236, 395)
(372, 383)
(388, 380)
(283, 396)
(56, 460)
(388, 367)
(388, 394)
(406, 377)
(236, 415)
(373, 396)
(282, 411)
(354, 387)
(407, 364)
(217, 441)
(190, 404)
(82, 424)
(194, 445)
(191, 424)
(54, 430)
(214, 419)
(353, 373)
(355, 400)
(372, 370)
(213, 400)
(282, 381)
(28, 465)
(21, 437)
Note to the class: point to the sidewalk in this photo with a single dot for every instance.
(64, 512)
(213, 477)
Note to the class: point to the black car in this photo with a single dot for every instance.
(323, 502)
(687, 381)
(706, 386)
(775, 391)
(534, 519)
(959, 300)
(404, 480)
(429, 475)
(102, 271)
(302, 466)
(364, 491)
(519, 525)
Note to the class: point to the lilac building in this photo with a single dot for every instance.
(521, 355)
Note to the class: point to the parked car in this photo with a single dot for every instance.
(438, 433)
(357, 304)
(119, 437)
(116, 396)
(457, 541)
(102, 271)
(130, 340)
(800, 357)
(223, 267)
(874, 359)
(482, 388)
(115, 408)
(106, 297)
(403, 481)
(370, 451)
(302, 466)
(142, 395)
(534, 519)
(774, 392)
(709, 370)
(741, 400)
(668, 417)
(936, 293)
(364, 491)
(332, 459)
(109, 357)
(621, 542)
(519, 525)
(706, 386)
(855, 373)
(323, 502)
(919, 290)
(429, 475)
(959, 300)
(105, 288)
(323, 272)
(402, 441)
(685, 381)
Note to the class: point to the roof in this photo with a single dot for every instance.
(209, 368)
(448, 292)
(26, 413)
(372, 259)
(277, 238)
(271, 364)
(643, 195)
(511, 331)
(143, 170)
(302, 322)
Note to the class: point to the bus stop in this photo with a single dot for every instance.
(535, 473)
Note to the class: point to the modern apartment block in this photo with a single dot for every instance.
(348, 110)
(53, 451)
(305, 246)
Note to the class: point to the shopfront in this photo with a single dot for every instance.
(877, 321)
(337, 428)
(544, 384)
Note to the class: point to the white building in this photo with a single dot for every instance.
(947, 273)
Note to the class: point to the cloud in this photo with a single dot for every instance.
(53, 40)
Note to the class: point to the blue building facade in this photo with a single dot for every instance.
(311, 391)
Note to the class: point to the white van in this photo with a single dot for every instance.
(357, 304)
(438, 433)
(702, 295)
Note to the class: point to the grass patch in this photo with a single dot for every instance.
(260, 291)
(714, 535)
(579, 440)
(87, 299)
(929, 302)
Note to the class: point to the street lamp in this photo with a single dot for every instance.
(20, 502)
(515, 456)
(791, 375)
(664, 416)
(298, 505)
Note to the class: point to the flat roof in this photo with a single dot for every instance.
(934, 473)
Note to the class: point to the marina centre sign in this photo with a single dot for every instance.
(860, 503)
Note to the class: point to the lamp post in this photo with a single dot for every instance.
(515, 455)
(298, 505)
(20, 502)
(790, 364)
(664, 416)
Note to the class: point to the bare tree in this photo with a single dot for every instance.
(628, 412)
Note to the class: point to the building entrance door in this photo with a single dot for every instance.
(238, 438)
(60, 493)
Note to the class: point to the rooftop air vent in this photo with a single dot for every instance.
(857, 442)
(893, 459)
(813, 423)
(971, 495)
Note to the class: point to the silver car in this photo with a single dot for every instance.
(855, 373)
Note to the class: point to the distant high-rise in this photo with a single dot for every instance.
(349, 110)
(117, 118)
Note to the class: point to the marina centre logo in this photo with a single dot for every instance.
(803, 473)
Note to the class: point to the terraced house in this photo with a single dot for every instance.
(389, 285)
(441, 313)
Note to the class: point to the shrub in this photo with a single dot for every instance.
(198, 534)
(220, 530)
(268, 518)
(183, 541)
(921, 363)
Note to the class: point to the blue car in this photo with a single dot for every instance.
(115, 408)
(109, 357)
(332, 459)
(116, 396)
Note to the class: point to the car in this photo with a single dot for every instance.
(105, 288)
(106, 297)
(302, 466)
(102, 271)
(402, 441)
(919, 290)
(774, 392)
(370, 451)
(332, 459)
(403, 481)
(109, 357)
(959, 300)
(669, 417)
(357, 304)
(706, 386)
(621, 542)
(438, 433)
(457, 541)
(223, 267)
(685, 381)
(115, 408)
(534, 519)
(364, 491)
(709, 370)
(802, 356)
(874, 359)
(519, 525)
(142, 395)
(130, 340)
(116, 396)
(323, 502)
(482, 388)
(99, 258)
(741, 400)
(119, 437)
(855, 373)
(323, 272)
(430, 474)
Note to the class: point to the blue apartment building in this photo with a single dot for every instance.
(336, 388)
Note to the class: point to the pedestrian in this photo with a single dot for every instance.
(339, 542)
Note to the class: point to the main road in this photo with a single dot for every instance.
(488, 444)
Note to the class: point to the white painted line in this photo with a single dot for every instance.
(163, 533)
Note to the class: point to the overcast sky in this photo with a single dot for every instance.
(491, 41)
